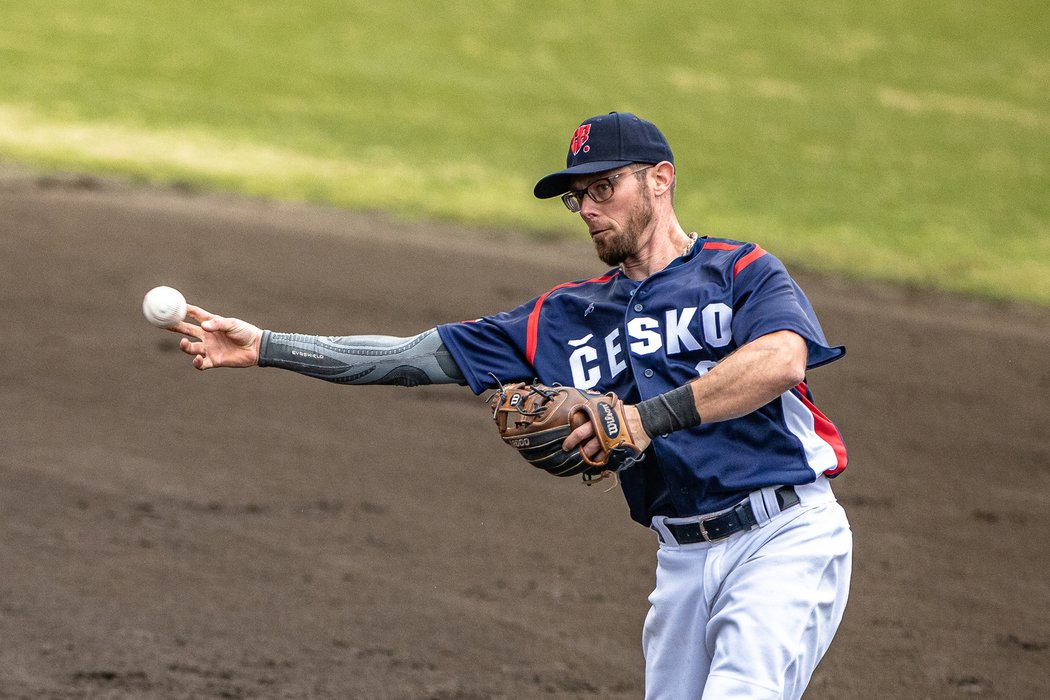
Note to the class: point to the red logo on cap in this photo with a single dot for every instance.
(579, 138)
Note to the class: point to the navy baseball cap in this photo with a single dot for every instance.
(606, 142)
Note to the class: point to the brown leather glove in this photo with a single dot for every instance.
(535, 419)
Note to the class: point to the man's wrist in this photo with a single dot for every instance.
(668, 412)
(263, 343)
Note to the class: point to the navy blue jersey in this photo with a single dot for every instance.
(641, 339)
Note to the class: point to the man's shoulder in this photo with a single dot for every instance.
(733, 255)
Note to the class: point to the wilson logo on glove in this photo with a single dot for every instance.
(607, 417)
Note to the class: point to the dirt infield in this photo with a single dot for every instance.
(239, 534)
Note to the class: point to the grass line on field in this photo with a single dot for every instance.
(377, 180)
(23, 131)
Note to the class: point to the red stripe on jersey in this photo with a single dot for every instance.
(826, 430)
(748, 259)
(717, 245)
(743, 262)
(532, 333)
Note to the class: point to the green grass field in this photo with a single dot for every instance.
(902, 141)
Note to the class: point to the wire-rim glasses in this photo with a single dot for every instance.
(599, 191)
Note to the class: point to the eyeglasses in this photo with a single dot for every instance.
(598, 191)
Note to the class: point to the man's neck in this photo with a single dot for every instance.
(667, 241)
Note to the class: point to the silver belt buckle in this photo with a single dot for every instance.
(707, 537)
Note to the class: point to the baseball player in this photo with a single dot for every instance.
(705, 343)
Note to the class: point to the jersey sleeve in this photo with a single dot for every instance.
(491, 345)
(767, 299)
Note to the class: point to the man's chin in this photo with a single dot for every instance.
(610, 255)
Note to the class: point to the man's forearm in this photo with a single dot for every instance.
(751, 377)
(363, 359)
(748, 379)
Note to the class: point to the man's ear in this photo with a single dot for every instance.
(663, 177)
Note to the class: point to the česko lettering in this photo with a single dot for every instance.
(675, 332)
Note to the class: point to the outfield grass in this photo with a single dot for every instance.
(895, 140)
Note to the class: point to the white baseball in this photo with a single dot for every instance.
(164, 307)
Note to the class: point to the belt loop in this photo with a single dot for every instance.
(662, 533)
(769, 497)
(760, 505)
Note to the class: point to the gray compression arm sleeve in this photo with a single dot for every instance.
(363, 359)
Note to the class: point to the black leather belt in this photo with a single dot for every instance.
(719, 527)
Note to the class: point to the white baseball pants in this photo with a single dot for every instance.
(750, 616)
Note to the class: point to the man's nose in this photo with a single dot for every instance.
(588, 207)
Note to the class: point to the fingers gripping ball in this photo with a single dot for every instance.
(164, 307)
(535, 419)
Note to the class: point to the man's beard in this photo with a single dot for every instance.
(614, 248)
